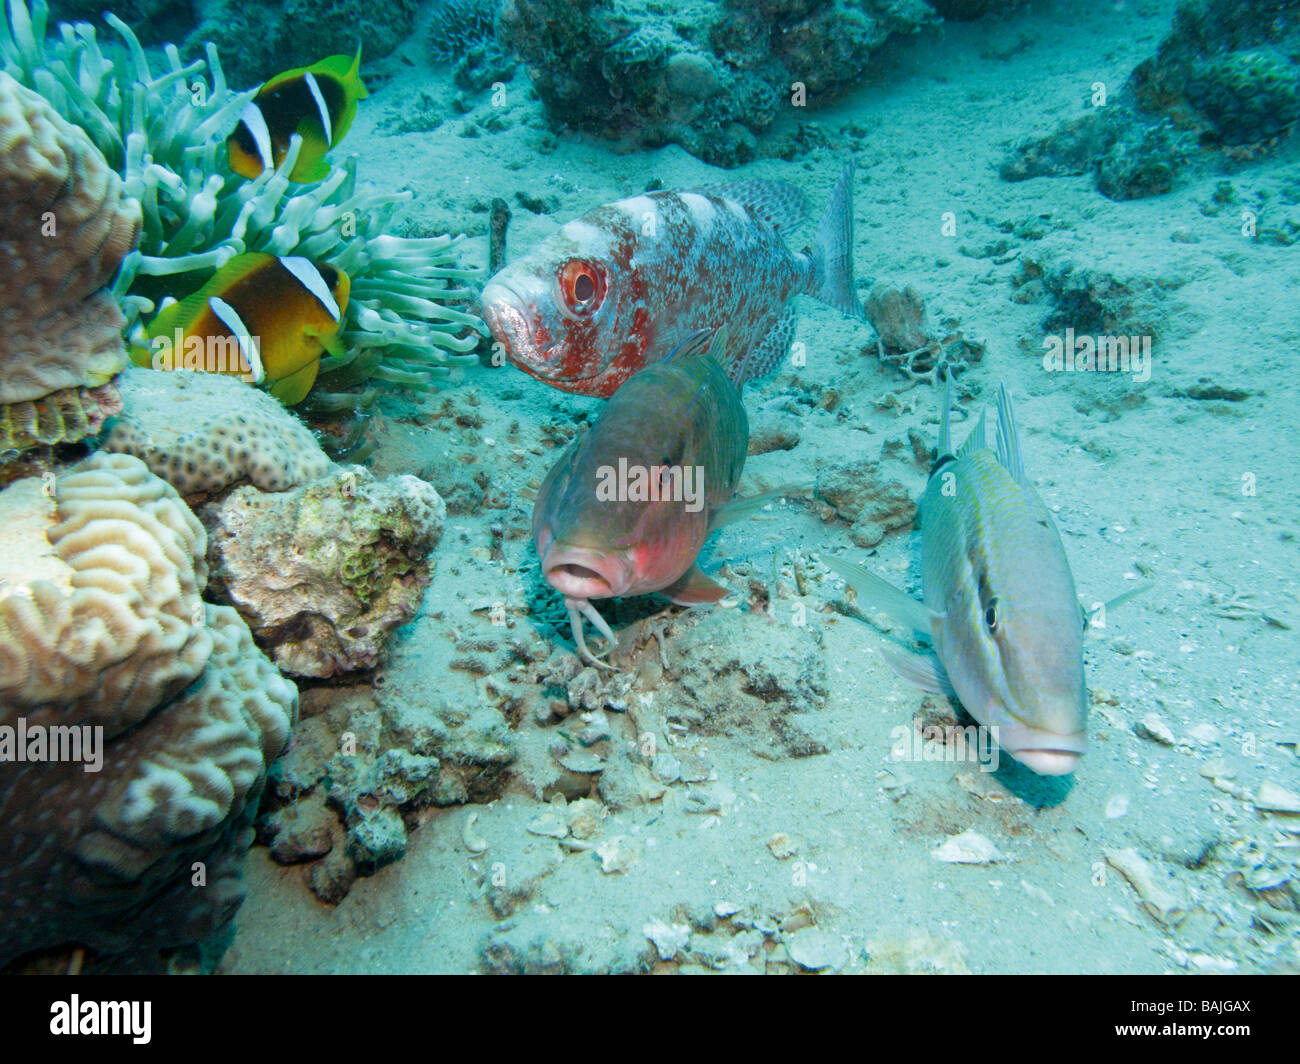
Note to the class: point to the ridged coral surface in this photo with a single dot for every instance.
(100, 616)
(146, 853)
(65, 226)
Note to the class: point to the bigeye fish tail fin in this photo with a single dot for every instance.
(925, 671)
(693, 588)
(873, 591)
(768, 353)
(742, 508)
(577, 609)
(1009, 438)
(832, 254)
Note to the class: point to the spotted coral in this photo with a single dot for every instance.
(166, 133)
(65, 226)
(203, 432)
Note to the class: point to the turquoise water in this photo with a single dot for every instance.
(343, 721)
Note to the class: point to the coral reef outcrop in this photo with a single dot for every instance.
(323, 574)
(66, 224)
(204, 432)
(710, 77)
(1223, 80)
(154, 716)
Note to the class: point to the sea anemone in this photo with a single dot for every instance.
(166, 134)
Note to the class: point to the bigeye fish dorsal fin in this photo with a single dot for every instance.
(1009, 438)
(876, 592)
(778, 203)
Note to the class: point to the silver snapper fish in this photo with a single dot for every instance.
(628, 506)
(1000, 603)
(614, 290)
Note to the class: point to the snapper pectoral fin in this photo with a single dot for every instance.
(693, 588)
(873, 591)
(925, 671)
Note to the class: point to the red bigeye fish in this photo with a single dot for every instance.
(628, 506)
(609, 293)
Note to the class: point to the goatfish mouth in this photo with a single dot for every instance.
(581, 573)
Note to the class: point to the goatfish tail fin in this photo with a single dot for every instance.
(832, 253)
(740, 509)
(873, 591)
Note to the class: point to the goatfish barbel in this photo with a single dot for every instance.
(1000, 603)
(628, 506)
(613, 290)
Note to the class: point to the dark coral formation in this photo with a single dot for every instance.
(456, 26)
(710, 77)
(1225, 78)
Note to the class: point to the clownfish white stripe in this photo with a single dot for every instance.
(324, 111)
(255, 122)
(307, 275)
(231, 320)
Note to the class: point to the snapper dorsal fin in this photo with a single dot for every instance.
(778, 203)
(1009, 438)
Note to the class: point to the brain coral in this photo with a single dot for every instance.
(146, 853)
(202, 432)
(65, 226)
(99, 595)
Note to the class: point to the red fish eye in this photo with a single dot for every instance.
(582, 284)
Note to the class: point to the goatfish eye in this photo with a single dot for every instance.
(991, 615)
(582, 285)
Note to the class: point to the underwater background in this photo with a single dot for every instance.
(345, 726)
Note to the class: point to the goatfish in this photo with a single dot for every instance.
(612, 291)
(1000, 604)
(627, 507)
(317, 102)
(265, 318)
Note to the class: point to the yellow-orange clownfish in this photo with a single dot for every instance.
(317, 102)
(264, 318)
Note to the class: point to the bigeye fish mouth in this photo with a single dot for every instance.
(585, 574)
(506, 313)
